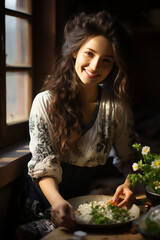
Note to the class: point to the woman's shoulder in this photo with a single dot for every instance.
(107, 96)
(43, 97)
(42, 100)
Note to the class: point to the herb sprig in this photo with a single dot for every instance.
(119, 214)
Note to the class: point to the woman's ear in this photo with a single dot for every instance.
(74, 55)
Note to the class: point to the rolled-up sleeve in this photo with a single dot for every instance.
(125, 136)
(44, 162)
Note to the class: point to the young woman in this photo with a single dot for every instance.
(81, 114)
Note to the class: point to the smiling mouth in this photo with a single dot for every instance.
(90, 74)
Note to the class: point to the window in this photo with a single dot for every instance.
(22, 66)
(16, 69)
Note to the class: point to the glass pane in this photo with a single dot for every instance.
(19, 5)
(18, 96)
(18, 42)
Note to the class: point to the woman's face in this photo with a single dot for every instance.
(94, 60)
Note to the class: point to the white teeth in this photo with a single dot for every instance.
(91, 74)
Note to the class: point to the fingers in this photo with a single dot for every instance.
(71, 213)
(64, 221)
(117, 194)
(67, 217)
(63, 216)
(128, 196)
(128, 201)
(123, 203)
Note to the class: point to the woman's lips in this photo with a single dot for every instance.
(90, 74)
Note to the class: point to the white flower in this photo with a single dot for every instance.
(145, 150)
(155, 163)
(157, 184)
(135, 166)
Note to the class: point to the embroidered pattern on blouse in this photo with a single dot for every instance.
(40, 130)
(105, 139)
(103, 146)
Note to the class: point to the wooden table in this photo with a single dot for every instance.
(63, 234)
(119, 233)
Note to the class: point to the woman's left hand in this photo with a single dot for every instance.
(126, 191)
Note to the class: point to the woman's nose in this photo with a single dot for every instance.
(95, 64)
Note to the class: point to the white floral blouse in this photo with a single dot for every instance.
(95, 144)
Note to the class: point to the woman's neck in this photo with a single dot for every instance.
(89, 94)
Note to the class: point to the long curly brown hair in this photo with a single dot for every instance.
(63, 83)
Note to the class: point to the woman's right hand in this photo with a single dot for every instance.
(62, 214)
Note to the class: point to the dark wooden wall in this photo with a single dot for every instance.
(145, 84)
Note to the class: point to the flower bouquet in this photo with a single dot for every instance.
(148, 169)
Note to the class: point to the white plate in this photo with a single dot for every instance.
(75, 202)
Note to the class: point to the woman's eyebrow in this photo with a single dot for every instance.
(110, 56)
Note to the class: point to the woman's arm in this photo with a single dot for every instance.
(49, 188)
(44, 167)
(124, 138)
(62, 211)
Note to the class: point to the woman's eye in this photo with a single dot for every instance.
(107, 60)
(90, 54)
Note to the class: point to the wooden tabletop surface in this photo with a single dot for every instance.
(119, 233)
(116, 234)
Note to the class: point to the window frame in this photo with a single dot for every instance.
(17, 132)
